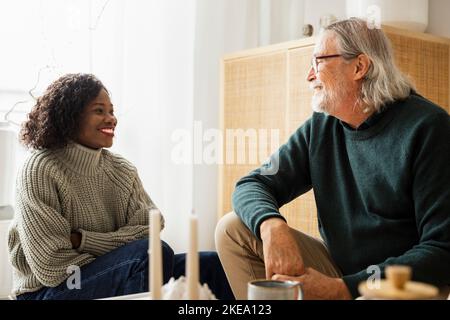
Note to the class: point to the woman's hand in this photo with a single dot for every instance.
(75, 238)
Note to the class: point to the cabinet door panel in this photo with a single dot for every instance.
(427, 63)
(254, 103)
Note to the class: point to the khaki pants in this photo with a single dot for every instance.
(241, 254)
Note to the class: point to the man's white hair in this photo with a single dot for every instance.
(384, 82)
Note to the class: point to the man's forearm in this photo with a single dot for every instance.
(268, 225)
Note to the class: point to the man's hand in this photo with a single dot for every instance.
(75, 238)
(281, 252)
(317, 286)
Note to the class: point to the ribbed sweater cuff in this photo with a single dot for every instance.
(95, 243)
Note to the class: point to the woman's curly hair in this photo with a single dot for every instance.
(55, 118)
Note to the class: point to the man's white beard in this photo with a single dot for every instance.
(317, 102)
(322, 101)
(325, 100)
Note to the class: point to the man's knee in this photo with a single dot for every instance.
(229, 225)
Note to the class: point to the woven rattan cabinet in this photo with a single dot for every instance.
(265, 89)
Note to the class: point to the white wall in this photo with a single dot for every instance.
(438, 22)
(439, 18)
(315, 9)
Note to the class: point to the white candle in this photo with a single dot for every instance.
(155, 255)
(192, 270)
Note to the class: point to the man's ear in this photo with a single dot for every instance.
(362, 67)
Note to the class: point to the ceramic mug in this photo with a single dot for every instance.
(274, 290)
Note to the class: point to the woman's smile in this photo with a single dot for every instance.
(108, 131)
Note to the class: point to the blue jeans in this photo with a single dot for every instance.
(125, 271)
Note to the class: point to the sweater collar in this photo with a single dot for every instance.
(83, 160)
(375, 123)
(377, 120)
(369, 122)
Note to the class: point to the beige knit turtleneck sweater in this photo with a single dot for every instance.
(94, 192)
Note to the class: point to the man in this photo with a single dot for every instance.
(376, 155)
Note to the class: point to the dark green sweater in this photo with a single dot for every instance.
(382, 192)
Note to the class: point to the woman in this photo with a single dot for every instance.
(82, 209)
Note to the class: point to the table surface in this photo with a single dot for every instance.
(137, 296)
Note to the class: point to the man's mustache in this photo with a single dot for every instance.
(315, 84)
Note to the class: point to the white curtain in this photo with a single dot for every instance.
(146, 60)
(280, 20)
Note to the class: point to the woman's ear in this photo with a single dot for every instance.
(362, 67)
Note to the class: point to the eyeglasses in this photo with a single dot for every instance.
(315, 63)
